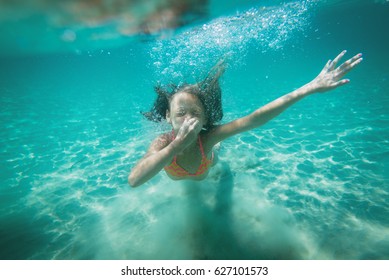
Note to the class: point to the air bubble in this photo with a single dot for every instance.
(261, 28)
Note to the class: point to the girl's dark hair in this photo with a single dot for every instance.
(208, 91)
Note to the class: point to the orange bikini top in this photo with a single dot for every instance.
(177, 171)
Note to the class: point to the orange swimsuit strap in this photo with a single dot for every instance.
(177, 171)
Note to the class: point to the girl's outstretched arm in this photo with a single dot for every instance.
(329, 78)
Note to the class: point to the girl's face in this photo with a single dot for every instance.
(185, 106)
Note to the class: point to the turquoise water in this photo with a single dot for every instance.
(311, 184)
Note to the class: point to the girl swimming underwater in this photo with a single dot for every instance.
(193, 111)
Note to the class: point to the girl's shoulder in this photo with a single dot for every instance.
(209, 133)
(208, 137)
(159, 143)
(163, 140)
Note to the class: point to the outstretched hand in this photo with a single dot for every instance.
(331, 76)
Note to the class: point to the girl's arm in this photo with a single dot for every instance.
(162, 152)
(329, 78)
(159, 154)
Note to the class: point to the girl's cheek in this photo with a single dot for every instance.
(178, 122)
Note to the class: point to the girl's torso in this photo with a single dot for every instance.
(194, 163)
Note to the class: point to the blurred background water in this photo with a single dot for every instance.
(74, 75)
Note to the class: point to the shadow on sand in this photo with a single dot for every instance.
(210, 227)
